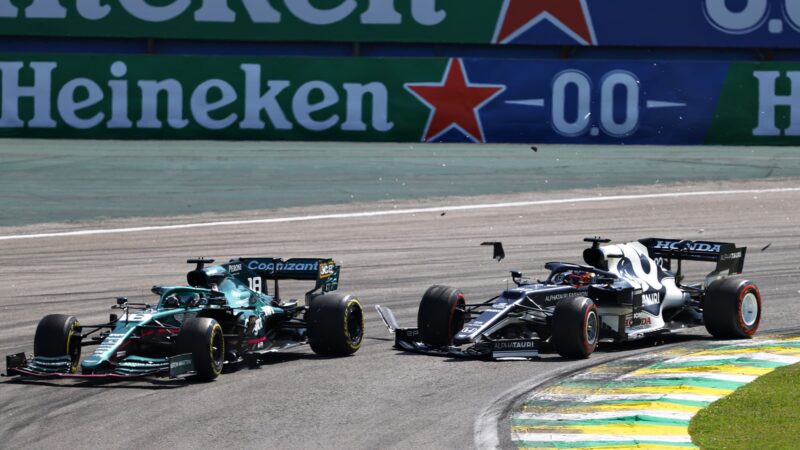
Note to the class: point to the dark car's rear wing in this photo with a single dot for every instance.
(727, 256)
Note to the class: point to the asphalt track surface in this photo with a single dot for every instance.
(379, 397)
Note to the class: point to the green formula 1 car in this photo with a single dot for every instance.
(225, 315)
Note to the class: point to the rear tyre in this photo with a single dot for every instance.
(441, 315)
(576, 327)
(732, 308)
(335, 324)
(203, 338)
(58, 335)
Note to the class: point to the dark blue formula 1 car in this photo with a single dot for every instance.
(224, 315)
(624, 292)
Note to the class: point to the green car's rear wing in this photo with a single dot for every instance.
(323, 271)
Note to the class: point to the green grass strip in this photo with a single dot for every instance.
(584, 444)
(762, 415)
(627, 420)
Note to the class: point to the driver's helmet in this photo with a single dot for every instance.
(579, 278)
(171, 301)
(214, 282)
(177, 300)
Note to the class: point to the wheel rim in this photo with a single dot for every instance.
(73, 347)
(749, 311)
(458, 317)
(591, 327)
(354, 328)
(217, 348)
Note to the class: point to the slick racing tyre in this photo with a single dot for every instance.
(732, 308)
(203, 338)
(58, 335)
(441, 315)
(576, 327)
(335, 324)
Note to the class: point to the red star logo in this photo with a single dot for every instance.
(571, 16)
(454, 102)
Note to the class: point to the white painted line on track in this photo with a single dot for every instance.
(690, 374)
(578, 437)
(760, 356)
(602, 398)
(744, 343)
(641, 413)
(395, 212)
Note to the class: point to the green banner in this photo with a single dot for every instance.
(626, 23)
(759, 105)
(165, 97)
(467, 21)
(399, 99)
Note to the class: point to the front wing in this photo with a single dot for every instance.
(60, 367)
(410, 339)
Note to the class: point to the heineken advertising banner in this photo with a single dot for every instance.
(677, 23)
(369, 99)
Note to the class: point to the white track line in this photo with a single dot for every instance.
(396, 212)
(770, 342)
(690, 374)
(760, 356)
(603, 398)
(599, 415)
(580, 437)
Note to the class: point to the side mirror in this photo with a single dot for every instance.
(122, 300)
(516, 277)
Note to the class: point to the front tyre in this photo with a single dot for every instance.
(576, 327)
(335, 324)
(732, 308)
(441, 315)
(203, 338)
(58, 335)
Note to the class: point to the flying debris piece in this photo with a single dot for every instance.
(442, 213)
(766, 246)
(498, 254)
(533, 147)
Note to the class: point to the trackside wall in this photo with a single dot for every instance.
(577, 71)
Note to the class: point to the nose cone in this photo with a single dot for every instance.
(461, 338)
(91, 363)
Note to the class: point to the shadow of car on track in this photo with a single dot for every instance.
(548, 354)
(278, 358)
(141, 383)
(154, 383)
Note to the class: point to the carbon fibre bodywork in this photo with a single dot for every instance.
(142, 339)
(632, 286)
